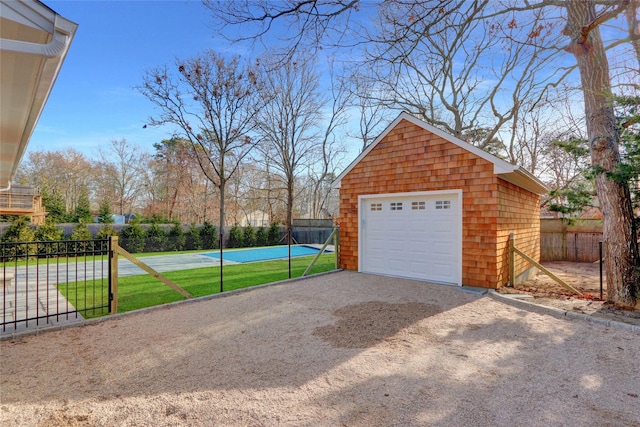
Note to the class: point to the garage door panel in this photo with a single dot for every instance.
(417, 236)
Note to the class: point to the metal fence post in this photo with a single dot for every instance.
(600, 253)
(113, 274)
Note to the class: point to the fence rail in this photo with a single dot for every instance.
(53, 282)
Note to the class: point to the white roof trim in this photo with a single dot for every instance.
(505, 170)
(28, 86)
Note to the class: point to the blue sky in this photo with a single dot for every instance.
(94, 100)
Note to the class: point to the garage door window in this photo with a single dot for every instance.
(443, 204)
(396, 206)
(376, 206)
(418, 206)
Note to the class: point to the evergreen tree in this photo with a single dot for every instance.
(80, 237)
(81, 232)
(208, 236)
(192, 238)
(236, 238)
(274, 234)
(105, 231)
(262, 239)
(82, 212)
(176, 238)
(249, 236)
(55, 206)
(628, 170)
(132, 237)
(105, 214)
(48, 233)
(18, 231)
(155, 239)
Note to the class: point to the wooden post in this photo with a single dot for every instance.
(113, 274)
(545, 271)
(336, 244)
(512, 258)
(326, 243)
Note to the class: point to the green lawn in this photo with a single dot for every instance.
(137, 292)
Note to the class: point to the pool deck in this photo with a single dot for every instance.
(164, 263)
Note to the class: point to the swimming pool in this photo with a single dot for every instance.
(264, 254)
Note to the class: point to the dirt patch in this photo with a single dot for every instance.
(584, 277)
(369, 323)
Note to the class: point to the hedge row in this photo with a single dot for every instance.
(153, 238)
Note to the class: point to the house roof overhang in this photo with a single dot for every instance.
(514, 174)
(34, 41)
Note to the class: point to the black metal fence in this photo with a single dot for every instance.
(45, 283)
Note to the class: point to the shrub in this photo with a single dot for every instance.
(132, 238)
(19, 231)
(177, 239)
(106, 231)
(261, 237)
(192, 238)
(208, 236)
(105, 215)
(273, 236)
(249, 236)
(79, 236)
(236, 239)
(155, 239)
(48, 232)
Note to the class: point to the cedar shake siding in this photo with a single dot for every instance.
(409, 158)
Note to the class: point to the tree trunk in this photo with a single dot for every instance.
(621, 248)
(634, 27)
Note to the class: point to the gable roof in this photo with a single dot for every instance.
(514, 174)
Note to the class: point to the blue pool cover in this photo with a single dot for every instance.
(263, 254)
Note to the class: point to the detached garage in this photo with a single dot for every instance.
(422, 204)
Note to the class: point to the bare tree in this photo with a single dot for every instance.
(119, 172)
(171, 179)
(583, 19)
(323, 169)
(373, 116)
(66, 172)
(459, 72)
(289, 122)
(213, 102)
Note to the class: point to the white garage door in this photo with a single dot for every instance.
(414, 235)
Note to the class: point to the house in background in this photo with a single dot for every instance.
(34, 41)
(23, 200)
(256, 218)
(422, 204)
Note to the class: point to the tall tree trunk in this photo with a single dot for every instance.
(634, 26)
(621, 248)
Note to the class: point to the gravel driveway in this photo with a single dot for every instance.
(338, 349)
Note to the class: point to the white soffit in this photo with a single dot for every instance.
(34, 41)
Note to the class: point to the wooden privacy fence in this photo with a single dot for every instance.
(577, 242)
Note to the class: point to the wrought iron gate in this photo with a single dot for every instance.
(48, 283)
